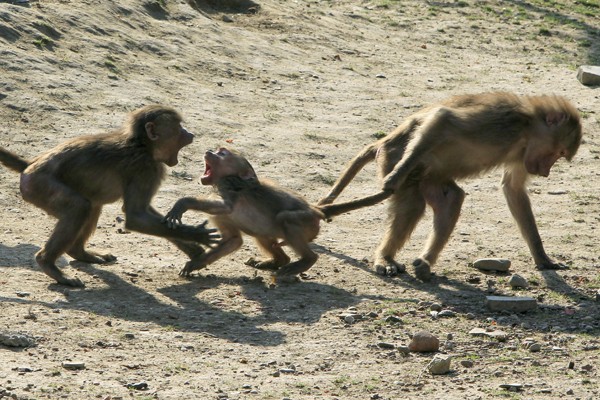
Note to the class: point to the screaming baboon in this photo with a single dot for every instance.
(259, 209)
(75, 179)
(460, 138)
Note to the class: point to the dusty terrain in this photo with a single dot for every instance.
(299, 87)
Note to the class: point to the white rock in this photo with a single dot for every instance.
(589, 75)
(492, 264)
(440, 364)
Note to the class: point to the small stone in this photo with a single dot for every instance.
(137, 386)
(512, 387)
(512, 304)
(435, 307)
(499, 335)
(73, 365)
(287, 370)
(535, 347)
(570, 392)
(589, 75)
(492, 264)
(385, 345)
(16, 340)
(467, 363)
(227, 18)
(392, 319)
(440, 364)
(424, 342)
(446, 313)
(517, 281)
(571, 365)
(349, 319)
(403, 349)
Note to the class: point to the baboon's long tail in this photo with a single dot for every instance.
(363, 158)
(13, 161)
(331, 210)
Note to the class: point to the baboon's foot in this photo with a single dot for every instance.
(53, 272)
(387, 266)
(422, 270)
(91, 257)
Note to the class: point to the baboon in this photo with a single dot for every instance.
(459, 138)
(75, 179)
(259, 209)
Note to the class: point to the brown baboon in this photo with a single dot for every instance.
(460, 138)
(75, 179)
(259, 209)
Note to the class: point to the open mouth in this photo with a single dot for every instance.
(206, 178)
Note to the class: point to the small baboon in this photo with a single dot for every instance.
(259, 209)
(460, 138)
(75, 179)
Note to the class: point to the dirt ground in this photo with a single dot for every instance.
(299, 87)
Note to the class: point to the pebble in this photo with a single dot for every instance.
(435, 307)
(467, 363)
(137, 386)
(512, 387)
(535, 347)
(385, 345)
(492, 264)
(516, 281)
(497, 334)
(424, 342)
(446, 313)
(73, 365)
(392, 319)
(439, 365)
(403, 349)
(16, 339)
(512, 304)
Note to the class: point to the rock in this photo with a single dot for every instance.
(16, 340)
(492, 264)
(535, 347)
(446, 313)
(512, 387)
(511, 304)
(497, 334)
(424, 342)
(589, 75)
(73, 365)
(435, 307)
(439, 365)
(467, 363)
(517, 281)
(403, 349)
(385, 345)
(137, 386)
(392, 319)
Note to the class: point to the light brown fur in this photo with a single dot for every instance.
(461, 138)
(75, 179)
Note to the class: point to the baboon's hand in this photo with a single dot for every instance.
(206, 236)
(173, 217)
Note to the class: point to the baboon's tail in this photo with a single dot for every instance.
(13, 161)
(331, 210)
(363, 158)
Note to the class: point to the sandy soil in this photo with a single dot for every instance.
(300, 87)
